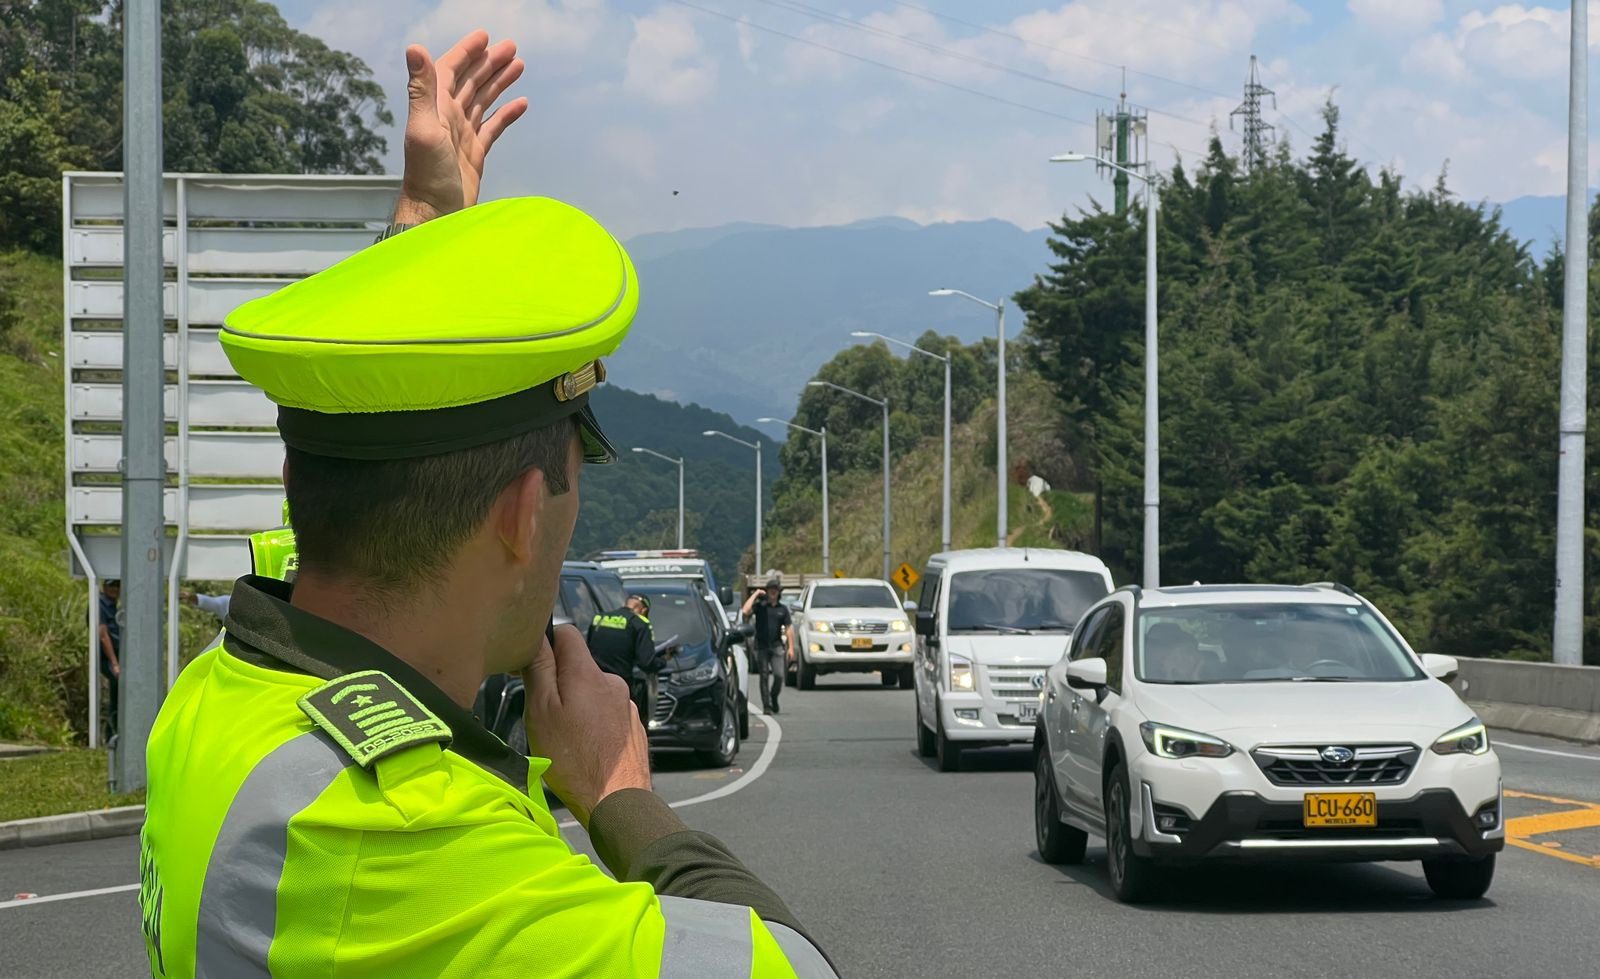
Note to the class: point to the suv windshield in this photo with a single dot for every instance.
(1261, 643)
(1022, 599)
(853, 596)
(676, 612)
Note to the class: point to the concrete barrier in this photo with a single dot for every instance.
(1536, 698)
(71, 827)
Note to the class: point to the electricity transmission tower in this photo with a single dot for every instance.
(1256, 133)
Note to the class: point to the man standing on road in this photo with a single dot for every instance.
(111, 646)
(621, 643)
(773, 636)
(321, 799)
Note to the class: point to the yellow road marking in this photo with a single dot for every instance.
(1586, 815)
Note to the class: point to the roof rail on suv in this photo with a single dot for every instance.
(1336, 586)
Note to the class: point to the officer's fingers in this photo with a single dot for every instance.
(541, 676)
(574, 665)
(497, 123)
(454, 61)
(421, 83)
(493, 88)
(483, 68)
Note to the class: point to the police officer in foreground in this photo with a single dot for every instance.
(321, 801)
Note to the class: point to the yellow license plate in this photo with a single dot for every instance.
(861, 642)
(1323, 809)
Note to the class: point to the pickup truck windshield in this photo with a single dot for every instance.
(853, 596)
(1022, 599)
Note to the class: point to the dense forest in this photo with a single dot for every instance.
(242, 92)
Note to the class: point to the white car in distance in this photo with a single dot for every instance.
(1260, 722)
(852, 625)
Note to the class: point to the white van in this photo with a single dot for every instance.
(989, 622)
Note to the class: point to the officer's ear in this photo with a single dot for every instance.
(516, 516)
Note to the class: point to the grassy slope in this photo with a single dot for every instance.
(62, 781)
(43, 611)
(1064, 520)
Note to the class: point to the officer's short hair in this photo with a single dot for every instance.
(394, 523)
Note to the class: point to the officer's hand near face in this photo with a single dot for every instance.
(447, 134)
(582, 719)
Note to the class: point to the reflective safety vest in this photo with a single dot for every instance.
(298, 826)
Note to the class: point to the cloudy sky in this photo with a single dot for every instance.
(808, 112)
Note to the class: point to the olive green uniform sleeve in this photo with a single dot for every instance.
(641, 839)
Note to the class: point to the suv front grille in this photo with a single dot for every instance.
(1015, 682)
(1373, 764)
(665, 704)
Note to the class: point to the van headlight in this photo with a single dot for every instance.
(961, 673)
(1471, 738)
(821, 627)
(898, 625)
(1175, 742)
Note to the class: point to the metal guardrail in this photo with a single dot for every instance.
(229, 239)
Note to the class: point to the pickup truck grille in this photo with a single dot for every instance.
(1015, 682)
(859, 628)
(1388, 764)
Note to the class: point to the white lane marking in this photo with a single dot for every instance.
(69, 896)
(1502, 743)
(768, 751)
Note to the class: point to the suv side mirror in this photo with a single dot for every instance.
(1086, 674)
(909, 606)
(1440, 667)
(925, 624)
(725, 594)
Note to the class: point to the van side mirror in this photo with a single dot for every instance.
(925, 624)
(909, 606)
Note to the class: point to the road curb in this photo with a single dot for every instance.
(71, 827)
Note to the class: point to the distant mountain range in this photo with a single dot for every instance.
(1539, 221)
(737, 317)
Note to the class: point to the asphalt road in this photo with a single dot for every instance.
(901, 871)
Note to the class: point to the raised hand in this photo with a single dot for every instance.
(451, 124)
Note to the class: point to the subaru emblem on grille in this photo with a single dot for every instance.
(1336, 755)
(1037, 680)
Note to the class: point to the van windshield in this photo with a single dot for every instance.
(1022, 600)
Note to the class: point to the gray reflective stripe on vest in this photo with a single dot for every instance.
(805, 958)
(705, 940)
(239, 901)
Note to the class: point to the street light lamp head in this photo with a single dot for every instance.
(816, 384)
(941, 292)
(767, 419)
(861, 333)
(637, 449)
(709, 432)
(1068, 158)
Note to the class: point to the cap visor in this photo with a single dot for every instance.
(597, 448)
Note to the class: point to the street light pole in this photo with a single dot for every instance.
(1567, 647)
(944, 536)
(884, 404)
(1001, 465)
(757, 447)
(822, 433)
(679, 464)
(1152, 360)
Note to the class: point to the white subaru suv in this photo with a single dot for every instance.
(1260, 722)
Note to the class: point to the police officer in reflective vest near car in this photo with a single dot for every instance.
(322, 802)
(623, 645)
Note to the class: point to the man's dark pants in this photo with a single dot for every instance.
(771, 665)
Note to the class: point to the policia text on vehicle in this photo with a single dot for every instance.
(321, 802)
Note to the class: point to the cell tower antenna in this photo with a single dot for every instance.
(1256, 133)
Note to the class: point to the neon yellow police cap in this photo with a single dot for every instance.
(475, 327)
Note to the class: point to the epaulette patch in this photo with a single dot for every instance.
(371, 716)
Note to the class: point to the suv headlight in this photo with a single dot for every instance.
(706, 670)
(898, 625)
(822, 626)
(1471, 738)
(1175, 742)
(961, 674)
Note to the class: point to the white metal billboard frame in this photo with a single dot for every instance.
(93, 240)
